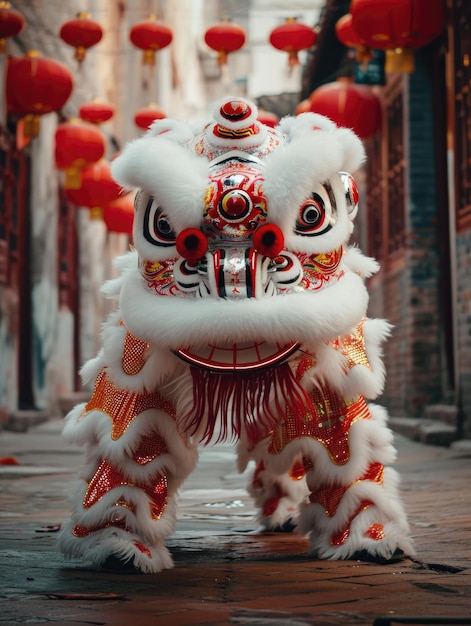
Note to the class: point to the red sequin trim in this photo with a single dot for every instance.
(256, 481)
(340, 538)
(142, 548)
(353, 347)
(271, 504)
(376, 532)
(83, 531)
(150, 447)
(107, 477)
(329, 496)
(297, 471)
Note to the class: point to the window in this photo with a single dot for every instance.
(395, 174)
(374, 198)
(386, 180)
(462, 98)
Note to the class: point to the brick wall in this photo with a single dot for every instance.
(463, 314)
(406, 290)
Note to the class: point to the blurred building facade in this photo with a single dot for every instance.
(416, 216)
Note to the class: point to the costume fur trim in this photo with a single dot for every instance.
(368, 380)
(360, 264)
(149, 163)
(96, 548)
(177, 322)
(387, 509)
(370, 441)
(94, 430)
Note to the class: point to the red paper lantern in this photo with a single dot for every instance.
(79, 144)
(291, 37)
(145, 116)
(397, 26)
(268, 118)
(349, 105)
(11, 23)
(97, 111)
(303, 107)
(98, 188)
(81, 33)
(36, 86)
(119, 215)
(225, 37)
(151, 36)
(349, 38)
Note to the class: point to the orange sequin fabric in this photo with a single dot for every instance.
(353, 347)
(122, 406)
(328, 421)
(133, 354)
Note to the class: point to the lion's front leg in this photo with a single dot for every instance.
(278, 493)
(355, 510)
(326, 468)
(124, 506)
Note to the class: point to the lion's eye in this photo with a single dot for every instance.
(317, 214)
(157, 228)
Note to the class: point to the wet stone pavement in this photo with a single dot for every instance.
(226, 571)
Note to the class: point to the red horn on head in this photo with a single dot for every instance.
(192, 244)
(268, 240)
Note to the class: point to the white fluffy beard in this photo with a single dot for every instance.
(308, 316)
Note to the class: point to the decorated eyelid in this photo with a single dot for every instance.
(157, 228)
(351, 193)
(318, 213)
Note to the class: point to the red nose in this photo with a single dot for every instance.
(268, 240)
(192, 244)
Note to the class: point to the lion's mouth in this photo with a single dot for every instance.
(238, 357)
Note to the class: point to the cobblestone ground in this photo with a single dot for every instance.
(226, 572)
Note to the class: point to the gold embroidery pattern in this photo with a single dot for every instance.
(159, 277)
(221, 131)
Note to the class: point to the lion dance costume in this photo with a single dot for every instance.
(242, 315)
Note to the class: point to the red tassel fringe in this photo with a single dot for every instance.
(225, 405)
